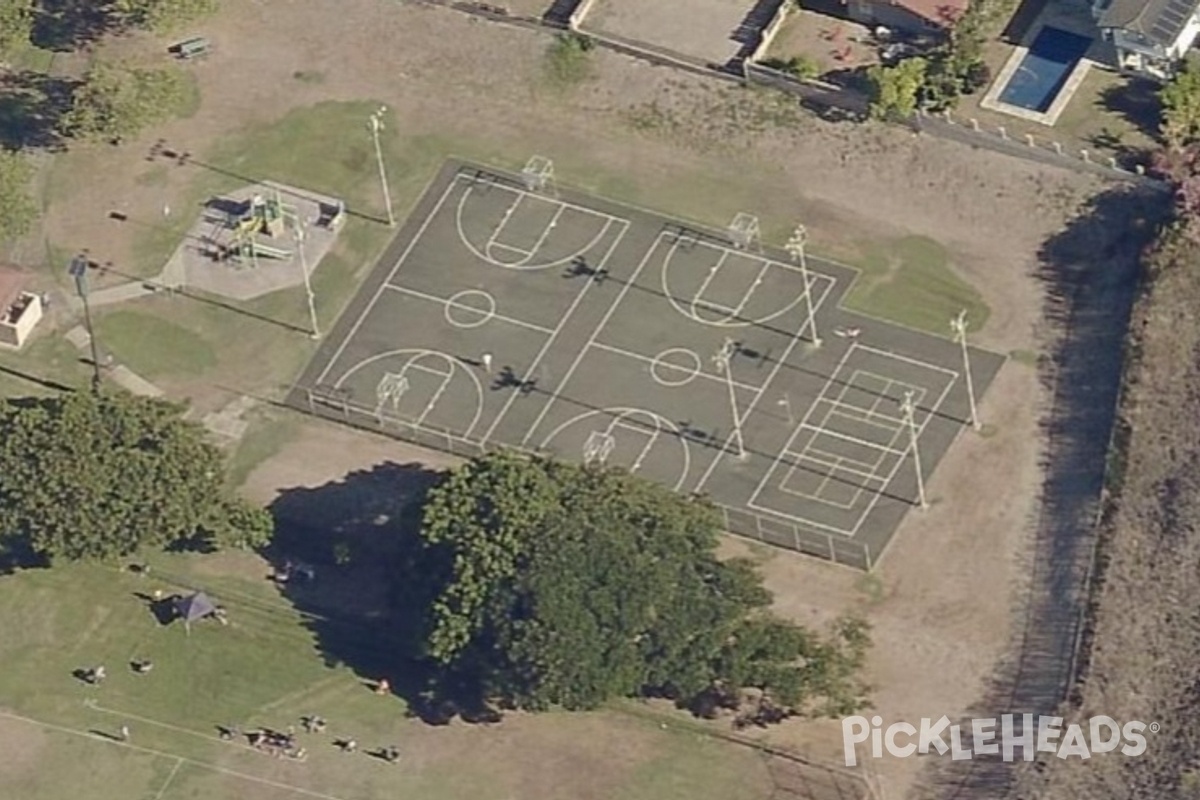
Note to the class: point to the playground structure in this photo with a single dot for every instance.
(260, 216)
(256, 239)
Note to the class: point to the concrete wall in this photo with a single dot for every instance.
(18, 321)
(771, 31)
(1187, 37)
(580, 14)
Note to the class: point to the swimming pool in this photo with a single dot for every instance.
(1045, 68)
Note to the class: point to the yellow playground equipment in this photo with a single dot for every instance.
(268, 216)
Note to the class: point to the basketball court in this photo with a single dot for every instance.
(512, 313)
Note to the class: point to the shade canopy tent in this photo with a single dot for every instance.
(194, 606)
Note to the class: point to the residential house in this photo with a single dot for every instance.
(917, 17)
(1150, 36)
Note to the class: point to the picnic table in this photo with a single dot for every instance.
(193, 48)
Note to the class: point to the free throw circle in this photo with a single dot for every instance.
(470, 308)
(675, 366)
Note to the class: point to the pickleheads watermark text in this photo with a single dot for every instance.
(1006, 736)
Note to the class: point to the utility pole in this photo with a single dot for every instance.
(723, 359)
(959, 326)
(376, 127)
(795, 249)
(909, 412)
(314, 332)
(78, 270)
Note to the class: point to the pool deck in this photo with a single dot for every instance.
(1048, 117)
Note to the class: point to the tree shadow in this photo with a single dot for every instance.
(1091, 273)
(32, 106)
(1136, 101)
(358, 535)
(69, 25)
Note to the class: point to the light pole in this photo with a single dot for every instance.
(314, 331)
(78, 270)
(723, 360)
(910, 411)
(786, 403)
(376, 127)
(959, 326)
(795, 249)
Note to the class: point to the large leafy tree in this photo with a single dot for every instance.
(86, 476)
(1180, 99)
(16, 23)
(546, 583)
(897, 90)
(118, 101)
(163, 15)
(17, 208)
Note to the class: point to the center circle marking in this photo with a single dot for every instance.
(675, 366)
(463, 310)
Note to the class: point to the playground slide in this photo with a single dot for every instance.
(271, 252)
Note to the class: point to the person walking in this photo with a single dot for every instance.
(486, 361)
(124, 733)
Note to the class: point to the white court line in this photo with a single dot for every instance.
(929, 416)
(857, 414)
(545, 233)
(650, 440)
(163, 754)
(427, 370)
(174, 771)
(819, 455)
(737, 312)
(588, 344)
(650, 360)
(563, 203)
(501, 246)
(553, 336)
(827, 475)
(504, 221)
(914, 361)
(900, 462)
(845, 437)
(387, 280)
(786, 450)
(700, 302)
(712, 273)
(437, 395)
(794, 340)
(454, 304)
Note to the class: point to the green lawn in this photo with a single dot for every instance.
(910, 281)
(153, 346)
(264, 668)
(266, 436)
(48, 358)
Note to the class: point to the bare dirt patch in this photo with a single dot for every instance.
(700, 28)
(21, 747)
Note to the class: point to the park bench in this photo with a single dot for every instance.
(193, 48)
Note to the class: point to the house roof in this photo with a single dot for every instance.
(12, 281)
(1160, 21)
(943, 13)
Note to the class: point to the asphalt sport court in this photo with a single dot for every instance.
(560, 323)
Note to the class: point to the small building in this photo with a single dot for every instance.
(915, 17)
(1151, 37)
(19, 310)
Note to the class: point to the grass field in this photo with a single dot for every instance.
(264, 668)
